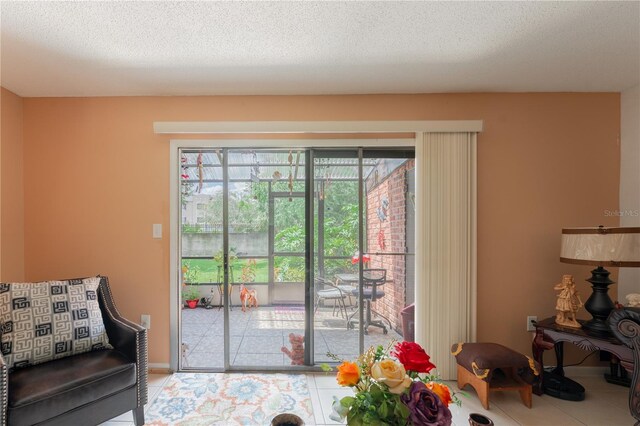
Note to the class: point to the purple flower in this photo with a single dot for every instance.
(425, 407)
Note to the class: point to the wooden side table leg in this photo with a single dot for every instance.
(538, 350)
(559, 349)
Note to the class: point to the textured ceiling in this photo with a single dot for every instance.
(199, 48)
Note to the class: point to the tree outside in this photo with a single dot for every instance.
(249, 212)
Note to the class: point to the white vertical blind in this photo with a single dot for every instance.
(445, 244)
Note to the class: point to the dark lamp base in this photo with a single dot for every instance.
(597, 326)
(599, 304)
(616, 380)
(562, 387)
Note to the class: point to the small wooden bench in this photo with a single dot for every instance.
(490, 366)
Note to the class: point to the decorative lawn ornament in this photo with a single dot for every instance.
(297, 349)
(381, 238)
(200, 172)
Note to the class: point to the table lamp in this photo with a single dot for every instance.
(600, 247)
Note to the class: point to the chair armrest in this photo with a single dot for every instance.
(327, 283)
(4, 390)
(125, 336)
(335, 287)
(625, 325)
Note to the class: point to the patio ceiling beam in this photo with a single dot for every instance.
(371, 163)
(267, 180)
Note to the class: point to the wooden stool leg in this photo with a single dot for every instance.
(482, 388)
(465, 377)
(462, 377)
(525, 395)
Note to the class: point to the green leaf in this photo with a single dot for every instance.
(402, 410)
(354, 419)
(370, 419)
(376, 392)
(383, 410)
(326, 367)
(347, 401)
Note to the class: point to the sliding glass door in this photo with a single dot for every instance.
(292, 256)
(364, 249)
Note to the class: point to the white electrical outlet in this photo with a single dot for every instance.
(531, 320)
(145, 321)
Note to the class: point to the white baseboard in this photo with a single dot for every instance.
(159, 367)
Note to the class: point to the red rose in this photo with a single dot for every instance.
(413, 357)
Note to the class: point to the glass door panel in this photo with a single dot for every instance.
(336, 240)
(266, 229)
(201, 196)
(245, 253)
(236, 262)
(389, 183)
(385, 252)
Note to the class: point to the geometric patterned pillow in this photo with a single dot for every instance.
(48, 320)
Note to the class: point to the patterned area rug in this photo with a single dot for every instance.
(198, 399)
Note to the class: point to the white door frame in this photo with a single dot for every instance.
(272, 127)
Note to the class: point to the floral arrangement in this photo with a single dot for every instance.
(393, 387)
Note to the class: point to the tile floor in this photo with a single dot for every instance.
(605, 405)
(257, 336)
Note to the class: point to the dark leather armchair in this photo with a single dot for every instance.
(625, 324)
(83, 389)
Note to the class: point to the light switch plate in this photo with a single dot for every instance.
(157, 230)
(531, 322)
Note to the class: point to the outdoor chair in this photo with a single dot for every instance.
(326, 290)
(371, 280)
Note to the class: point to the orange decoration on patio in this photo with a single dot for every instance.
(381, 242)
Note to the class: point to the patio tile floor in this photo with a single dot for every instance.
(257, 336)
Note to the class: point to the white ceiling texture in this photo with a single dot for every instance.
(215, 48)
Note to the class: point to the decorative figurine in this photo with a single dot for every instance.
(568, 302)
(297, 349)
(200, 172)
(633, 300)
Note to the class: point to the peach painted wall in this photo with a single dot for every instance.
(97, 178)
(11, 188)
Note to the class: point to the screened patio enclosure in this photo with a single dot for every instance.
(288, 227)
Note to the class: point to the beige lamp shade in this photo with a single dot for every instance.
(601, 246)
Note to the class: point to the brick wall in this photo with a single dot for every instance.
(393, 188)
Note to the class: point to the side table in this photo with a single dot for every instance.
(550, 335)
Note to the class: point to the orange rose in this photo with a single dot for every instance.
(442, 391)
(348, 374)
